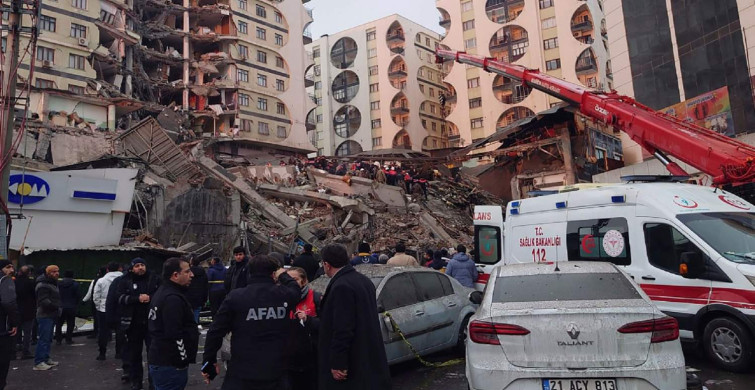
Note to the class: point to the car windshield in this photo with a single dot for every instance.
(730, 234)
(564, 287)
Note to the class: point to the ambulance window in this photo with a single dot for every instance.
(599, 240)
(665, 246)
(488, 244)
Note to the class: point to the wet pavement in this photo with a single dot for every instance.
(79, 370)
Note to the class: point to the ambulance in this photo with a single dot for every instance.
(690, 248)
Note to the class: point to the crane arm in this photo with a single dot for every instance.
(727, 160)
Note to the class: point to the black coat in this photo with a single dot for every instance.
(131, 312)
(174, 334)
(69, 293)
(27, 302)
(309, 263)
(198, 288)
(350, 337)
(236, 275)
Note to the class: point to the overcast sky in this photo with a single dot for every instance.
(332, 16)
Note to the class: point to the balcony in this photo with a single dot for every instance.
(397, 73)
(501, 4)
(399, 110)
(307, 37)
(500, 42)
(587, 39)
(582, 26)
(504, 87)
(309, 81)
(586, 67)
(395, 37)
(445, 23)
(451, 99)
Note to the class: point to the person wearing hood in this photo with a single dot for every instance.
(462, 268)
(99, 295)
(437, 261)
(48, 310)
(216, 273)
(236, 276)
(69, 299)
(198, 288)
(9, 318)
(365, 256)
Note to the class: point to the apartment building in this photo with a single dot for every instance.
(232, 69)
(376, 86)
(564, 38)
(694, 51)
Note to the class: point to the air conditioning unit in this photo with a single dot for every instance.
(47, 64)
(83, 42)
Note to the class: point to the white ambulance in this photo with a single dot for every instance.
(690, 248)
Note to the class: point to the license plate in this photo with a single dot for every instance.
(579, 384)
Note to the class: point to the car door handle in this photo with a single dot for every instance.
(419, 313)
(451, 304)
(648, 277)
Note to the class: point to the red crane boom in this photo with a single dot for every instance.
(725, 159)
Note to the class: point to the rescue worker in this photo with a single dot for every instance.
(258, 316)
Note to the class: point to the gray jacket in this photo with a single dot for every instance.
(48, 298)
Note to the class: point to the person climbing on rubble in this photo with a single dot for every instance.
(365, 255)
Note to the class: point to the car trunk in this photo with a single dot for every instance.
(575, 337)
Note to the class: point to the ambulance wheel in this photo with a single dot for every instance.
(728, 344)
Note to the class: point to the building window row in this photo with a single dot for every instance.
(47, 23)
(553, 64)
(551, 43)
(476, 123)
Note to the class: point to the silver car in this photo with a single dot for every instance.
(429, 307)
(572, 325)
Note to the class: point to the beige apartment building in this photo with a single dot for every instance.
(376, 86)
(564, 38)
(231, 69)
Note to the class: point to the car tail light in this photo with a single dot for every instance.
(487, 332)
(662, 329)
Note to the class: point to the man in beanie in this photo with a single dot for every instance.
(9, 318)
(364, 256)
(48, 311)
(236, 276)
(135, 291)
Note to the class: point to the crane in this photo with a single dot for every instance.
(725, 159)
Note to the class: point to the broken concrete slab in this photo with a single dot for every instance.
(432, 224)
(68, 149)
(390, 195)
(304, 196)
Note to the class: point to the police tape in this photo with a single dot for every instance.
(396, 329)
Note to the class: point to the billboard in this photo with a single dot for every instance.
(711, 110)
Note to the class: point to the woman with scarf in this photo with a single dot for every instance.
(303, 343)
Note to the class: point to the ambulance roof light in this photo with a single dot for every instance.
(618, 199)
(514, 211)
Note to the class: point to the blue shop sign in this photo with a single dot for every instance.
(27, 189)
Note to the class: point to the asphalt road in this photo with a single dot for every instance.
(79, 370)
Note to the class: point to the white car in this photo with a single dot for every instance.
(570, 325)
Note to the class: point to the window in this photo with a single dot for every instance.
(428, 285)
(242, 4)
(243, 27)
(279, 62)
(584, 240)
(262, 57)
(665, 246)
(432, 92)
(398, 292)
(78, 31)
(262, 80)
(261, 11)
(374, 87)
(280, 108)
(378, 141)
(262, 128)
(319, 118)
(262, 104)
(278, 39)
(546, 4)
(244, 99)
(242, 75)
(422, 88)
(281, 132)
(76, 61)
(373, 70)
(246, 125)
(371, 35)
(470, 43)
(468, 25)
(80, 4)
(432, 109)
(424, 124)
(243, 51)
(79, 90)
(316, 53)
(261, 33)
(551, 43)
(466, 6)
(372, 53)
(42, 83)
(45, 54)
(489, 238)
(278, 17)
(473, 83)
(476, 123)
(528, 288)
(427, 41)
(280, 85)
(476, 102)
(375, 105)
(548, 23)
(376, 124)
(553, 64)
(47, 23)
(434, 127)
(318, 84)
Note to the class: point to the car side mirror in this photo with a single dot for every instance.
(692, 265)
(475, 297)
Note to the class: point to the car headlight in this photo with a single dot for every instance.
(751, 279)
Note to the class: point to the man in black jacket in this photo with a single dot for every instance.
(198, 288)
(259, 317)
(27, 307)
(308, 262)
(48, 310)
(351, 353)
(236, 276)
(69, 299)
(9, 319)
(172, 330)
(135, 291)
